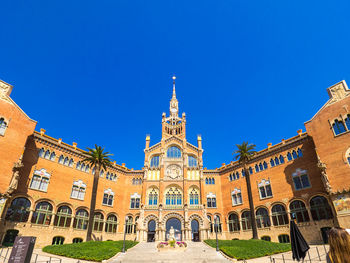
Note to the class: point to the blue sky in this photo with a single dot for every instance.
(100, 71)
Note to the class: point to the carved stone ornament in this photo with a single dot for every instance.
(338, 92)
(324, 177)
(15, 177)
(5, 91)
(173, 172)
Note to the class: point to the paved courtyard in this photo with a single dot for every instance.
(147, 252)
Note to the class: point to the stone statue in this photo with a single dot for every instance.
(322, 166)
(15, 177)
(171, 233)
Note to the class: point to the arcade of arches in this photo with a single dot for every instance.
(45, 185)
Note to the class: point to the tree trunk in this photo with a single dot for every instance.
(251, 203)
(93, 203)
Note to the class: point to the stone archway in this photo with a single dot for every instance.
(177, 221)
(197, 229)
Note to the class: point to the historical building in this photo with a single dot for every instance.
(46, 189)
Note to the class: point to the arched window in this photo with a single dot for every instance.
(108, 197)
(57, 240)
(61, 159)
(155, 162)
(81, 219)
(281, 159)
(19, 210)
(265, 165)
(77, 240)
(272, 163)
(41, 153)
(93, 170)
(102, 173)
(153, 197)
(262, 218)
(71, 162)
(211, 202)
(212, 181)
(194, 197)
(261, 167)
(279, 215)
(294, 154)
(217, 224)
(243, 173)
(250, 170)
(320, 208)
(210, 223)
(66, 161)
(277, 161)
(233, 223)
(231, 177)
(128, 228)
(300, 179)
(87, 168)
(299, 210)
(173, 152)
(47, 154)
(347, 121)
(289, 156)
(300, 153)
(192, 161)
(265, 190)
(82, 167)
(236, 197)
(206, 181)
(135, 201)
(52, 156)
(3, 126)
(256, 168)
(338, 127)
(42, 214)
(237, 175)
(63, 217)
(111, 224)
(246, 220)
(266, 238)
(107, 176)
(40, 180)
(78, 166)
(283, 239)
(98, 222)
(173, 196)
(78, 190)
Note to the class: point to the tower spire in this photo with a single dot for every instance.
(174, 92)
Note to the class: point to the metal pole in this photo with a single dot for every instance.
(308, 252)
(123, 250)
(1, 251)
(50, 259)
(325, 250)
(216, 233)
(36, 258)
(283, 258)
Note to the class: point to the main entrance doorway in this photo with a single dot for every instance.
(151, 232)
(195, 230)
(176, 224)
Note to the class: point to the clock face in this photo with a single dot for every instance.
(173, 110)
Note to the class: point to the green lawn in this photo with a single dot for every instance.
(246, 249)
(92, 250)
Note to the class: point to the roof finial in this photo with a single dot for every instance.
(174, 93)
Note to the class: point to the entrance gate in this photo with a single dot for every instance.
(195, 230)
(151, 231)
(176, 224)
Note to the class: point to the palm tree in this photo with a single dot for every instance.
(99, 159)
(244, 154)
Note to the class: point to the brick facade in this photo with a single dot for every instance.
(305, 175)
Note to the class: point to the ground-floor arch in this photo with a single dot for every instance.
(151, 230)
(173, 223)
(195, 230)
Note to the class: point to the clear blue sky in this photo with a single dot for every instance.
(100, 71)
